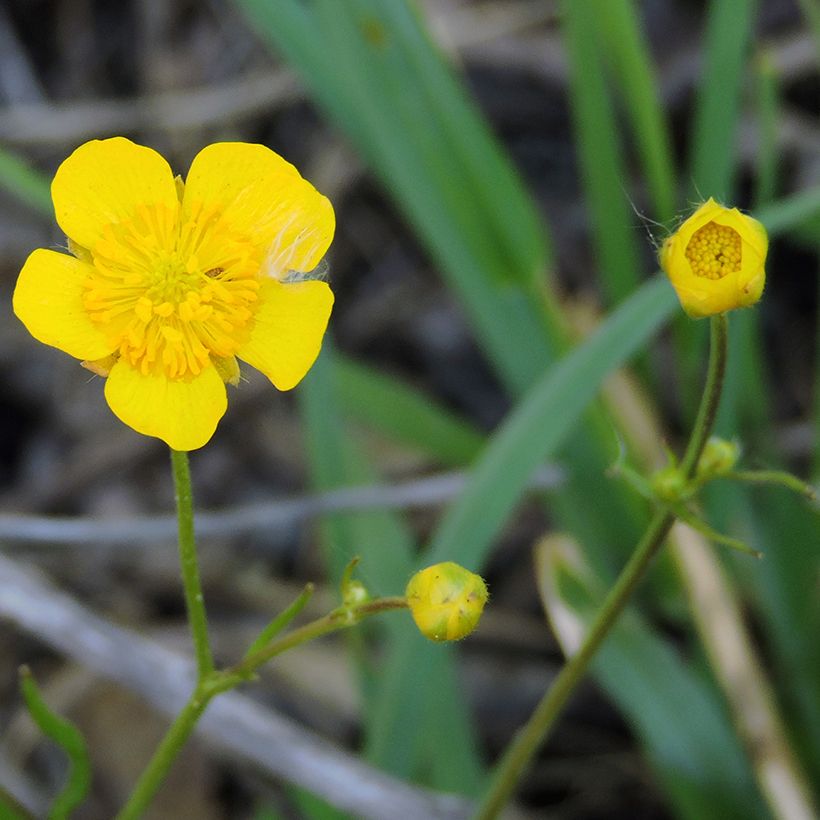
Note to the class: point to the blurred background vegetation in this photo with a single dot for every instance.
(502, 172)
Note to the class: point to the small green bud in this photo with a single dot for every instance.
(669, 484)
(718, 458)
(354, 594)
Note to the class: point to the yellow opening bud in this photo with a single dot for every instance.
(718, 458)
(716, 260)
(446, 601)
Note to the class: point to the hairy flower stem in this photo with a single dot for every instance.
(189, 564)
(218, 681)
(210, 681)
(520, 752)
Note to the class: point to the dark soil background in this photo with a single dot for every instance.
(177, 75)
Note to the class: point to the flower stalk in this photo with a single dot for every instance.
(211, 681)
(217, 681)
(524, 746)
(189, 565)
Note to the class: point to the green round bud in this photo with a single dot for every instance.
(718, 458)
(669, 484)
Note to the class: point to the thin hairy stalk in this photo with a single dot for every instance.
(218, 681)
(189, 564)
(160, 764)
(525, 744)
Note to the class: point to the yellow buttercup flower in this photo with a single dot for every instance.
(716, 260)
(446, 601)
(168, 283)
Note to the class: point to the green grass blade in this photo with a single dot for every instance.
(811, 11)
(628, 55)
(540, 424)
(377, 74)
(532, 432)
(407, 415)
(790, 212)
(785, 528)
(717, 110)
(25, 183)
(599, 151)
(768, 106)
(312, 807)
(387, 549)
(10, 809)
(66, 735)
(381, 538)
(693, 749)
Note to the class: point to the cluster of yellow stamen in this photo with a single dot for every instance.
(172, 292)
(714, 251)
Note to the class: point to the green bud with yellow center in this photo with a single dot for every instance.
(446, 601)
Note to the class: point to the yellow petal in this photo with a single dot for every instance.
(263, 197)
(287, 333)
(707, 212)
(183, 413)
(48, 301)
(104, 182)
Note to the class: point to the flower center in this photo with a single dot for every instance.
(714, 251)
(171, 295)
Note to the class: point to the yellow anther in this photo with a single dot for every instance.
(164, 310)
(136, 334)
(714, 251)
(171, 334)
(144, 308)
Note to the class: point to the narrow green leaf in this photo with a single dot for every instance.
(280, 621)
(790, 212)
(540, 423)
(627, 53)
(25, 183)
(811, 11)
(10, 809)
(694, 749)
(600, 153)
(785, 527)
(69, 739)
(386, 548)
(532, 432)
(767, 116)
(372, 68)
(729, 28)
(312, 807)
(407, 415)
(381, 538)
